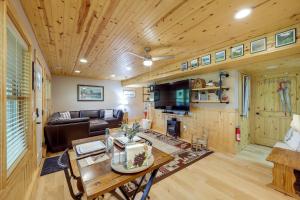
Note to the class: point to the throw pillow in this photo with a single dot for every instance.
(108, 114)
(295, 124)
(288, 135)
(65, 115)
(294, 141)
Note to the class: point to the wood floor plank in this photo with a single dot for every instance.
(216, 177)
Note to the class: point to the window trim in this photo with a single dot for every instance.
(7, 177)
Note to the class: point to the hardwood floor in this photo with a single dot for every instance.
(218, 176)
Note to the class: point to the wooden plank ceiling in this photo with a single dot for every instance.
(103, 31)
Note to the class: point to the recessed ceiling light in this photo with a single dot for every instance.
(77, 71)
(272, 67)
(243, 13)
(113, 75)
(83, 60)
(128, 68)
(147, 62)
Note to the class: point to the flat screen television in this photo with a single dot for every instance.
(173, 96)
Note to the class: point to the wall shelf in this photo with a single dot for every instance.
(209, 101)
(210, 88)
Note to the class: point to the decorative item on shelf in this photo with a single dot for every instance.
(237, 51)
(258, 45)
(198, 83)
(184, 66)
(146, 94)
(224, 98)
(206, 60)
(285, 38)
(151, 88)
(199, 143)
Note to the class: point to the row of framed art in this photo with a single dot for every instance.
(281, 39)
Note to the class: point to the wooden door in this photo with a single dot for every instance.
(270, 121)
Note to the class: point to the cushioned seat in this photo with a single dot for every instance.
(97, 124)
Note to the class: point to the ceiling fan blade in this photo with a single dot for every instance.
(134, 54)
(157, 58)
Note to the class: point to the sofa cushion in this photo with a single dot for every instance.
(115, 113)
(101, 113)
(294, 141)
(68, 121)
(98, 124)
(282, 145)
(65, 115)
(111, 120)
(74, 114)
(89, 113)
(108, 113)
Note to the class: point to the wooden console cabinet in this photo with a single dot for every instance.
(286, 171)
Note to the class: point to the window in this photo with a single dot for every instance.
(17, 96)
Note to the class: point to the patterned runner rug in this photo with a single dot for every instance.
(180, 150)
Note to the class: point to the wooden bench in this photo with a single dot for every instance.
(286, 171)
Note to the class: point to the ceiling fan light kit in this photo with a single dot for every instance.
(148, 59)
(147, 62)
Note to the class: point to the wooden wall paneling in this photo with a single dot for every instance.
(19, 182)
(2, 89)
(245, 63)
(269, 120)
(103, 31)
(219, 125)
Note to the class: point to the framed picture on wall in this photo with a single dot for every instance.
(129, 93)
(285, 38)
(90, 93)
(258, 45)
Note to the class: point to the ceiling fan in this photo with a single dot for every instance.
(148, 59)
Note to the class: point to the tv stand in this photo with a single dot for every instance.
(175, 112)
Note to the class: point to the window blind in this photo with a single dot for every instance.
(17, 96)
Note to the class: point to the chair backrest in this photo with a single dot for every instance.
(64, 162)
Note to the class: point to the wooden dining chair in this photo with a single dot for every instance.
(64, 162)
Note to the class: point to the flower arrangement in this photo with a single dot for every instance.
(130, 132)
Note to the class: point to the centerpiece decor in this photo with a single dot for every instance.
(130, 132)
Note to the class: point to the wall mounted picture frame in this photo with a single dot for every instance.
(194, 63)
(206, 60)
(237, 51)
(90, 93)
(129, 93)
(220, 56)
(258, 45)
(285, 38)
(184, 66)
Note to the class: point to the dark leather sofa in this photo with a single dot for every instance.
(59, 133)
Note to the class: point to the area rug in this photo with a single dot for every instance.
(50, 165)
(179, 149)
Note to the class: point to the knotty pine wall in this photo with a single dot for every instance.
(19, 183)
(218, 120)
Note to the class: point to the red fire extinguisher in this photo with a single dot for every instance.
(238, 134)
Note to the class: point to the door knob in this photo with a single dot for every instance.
(257, 113)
